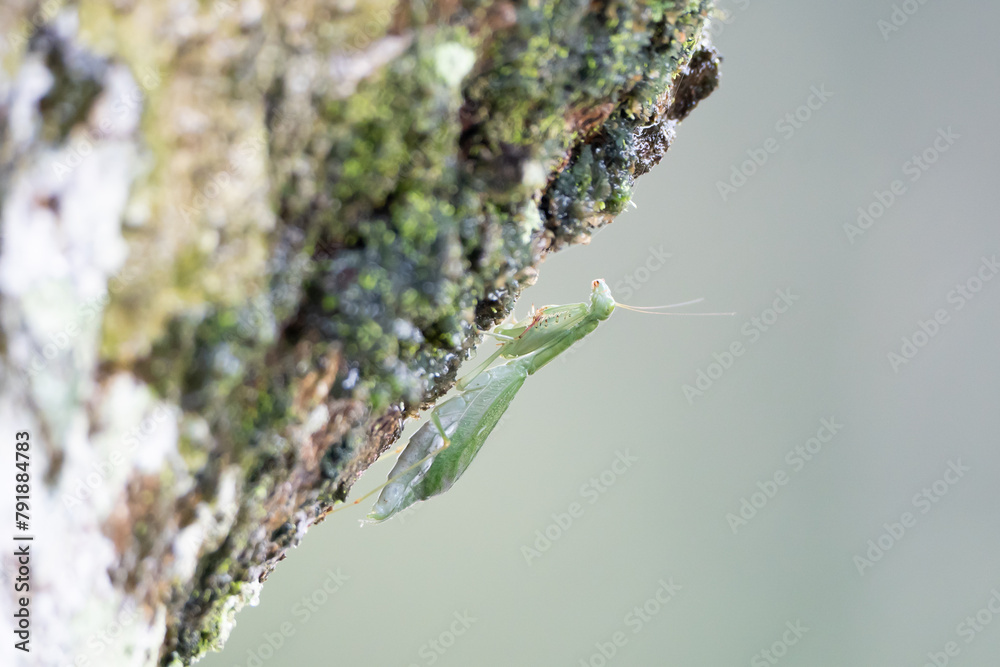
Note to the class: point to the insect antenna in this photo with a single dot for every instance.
(657, 310)
(672, 305)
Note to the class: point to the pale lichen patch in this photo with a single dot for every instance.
(453, 62)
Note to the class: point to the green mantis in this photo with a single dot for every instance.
(442, 449)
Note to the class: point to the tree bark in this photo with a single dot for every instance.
(241, 243)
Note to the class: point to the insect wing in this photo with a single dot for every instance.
(489, 397)
(416, 458)
(482, 405)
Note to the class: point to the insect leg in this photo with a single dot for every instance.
(498, 336)
(440, 427)
(464, 382)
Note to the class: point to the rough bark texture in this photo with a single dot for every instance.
(242, 242)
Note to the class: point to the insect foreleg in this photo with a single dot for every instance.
(464, 382)
(498, 336)
(440, 427)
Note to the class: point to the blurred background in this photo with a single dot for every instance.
(810, 482)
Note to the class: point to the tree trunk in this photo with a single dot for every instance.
(242, 243)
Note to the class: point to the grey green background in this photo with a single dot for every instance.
(401, 583)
